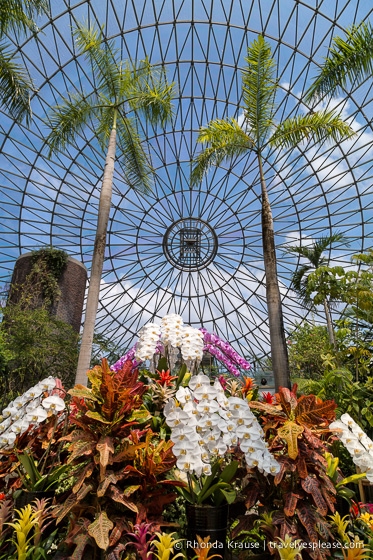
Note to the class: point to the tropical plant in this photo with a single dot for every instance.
(227, 138)
(26, 535)
(35, 342)
(349, 60)
(117, 461)
(306, 344)
(299, 498)
(314, 253)
(34, 479)
(125, 90)
(17, 16)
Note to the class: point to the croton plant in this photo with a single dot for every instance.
(299, 500)
(127, 438)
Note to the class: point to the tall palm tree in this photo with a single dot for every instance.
(16, 16)
(349, 59)
(125, 91)
(315, 255)
(227, 138)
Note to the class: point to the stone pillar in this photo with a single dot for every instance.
(69, 307)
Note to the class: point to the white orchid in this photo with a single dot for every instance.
(7, 439)
(48, 383)
(205, 424)
(19, 426)
(53, 403)
(359, 445)
(38, 414)
(183, 395)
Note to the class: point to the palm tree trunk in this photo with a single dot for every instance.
(329, 324)
(279, 353)
(97, 263)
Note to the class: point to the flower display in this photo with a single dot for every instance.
(224, 353)
(173, 338)
(205, 424)
(31, 408)
(359, 445)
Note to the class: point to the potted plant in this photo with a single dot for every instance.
(208, 429)
(37, 484)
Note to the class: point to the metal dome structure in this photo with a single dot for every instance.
(196, 252)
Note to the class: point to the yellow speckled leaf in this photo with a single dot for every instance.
(100, 529)
(290, 432)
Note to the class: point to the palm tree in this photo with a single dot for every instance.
(316, 259)
(124, 91)
(349, 59)
(226, 138)
(16, 16)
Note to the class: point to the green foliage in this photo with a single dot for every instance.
(35, 344)
(34, 479)
(306, 344)
(315, 256)
(125, 90)
(16, 16)
(25, 537)
(215, 488)
(348, 59)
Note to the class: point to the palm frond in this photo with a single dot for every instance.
(68, 119)
(134, 159)
(146, 89)
(225, 139)
(314, 254)
(314, 251)
(299, 285)
(19, 15)
(102, 56)
(349, 59)
(320, 126)
(259, 88)
(15, 85)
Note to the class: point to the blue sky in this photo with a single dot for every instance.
(314, 190)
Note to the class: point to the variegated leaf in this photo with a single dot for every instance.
(86, 473)
(62, 510)
(290, 432)
(118, 496)
(105, 447)
(312, 486)
(308, 521)
(302, 467)
(291, 501)
(109, 479)
(82, 392)
(97, 416)
(100, 530)
(312, 411)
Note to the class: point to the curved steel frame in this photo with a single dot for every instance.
(314, 190)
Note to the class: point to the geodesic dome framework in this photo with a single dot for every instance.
(193, 252)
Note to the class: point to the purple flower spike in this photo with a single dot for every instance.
(226, 352)
(128, 356)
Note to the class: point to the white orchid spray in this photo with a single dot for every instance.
(359, 445)
(31, 408)
(174, 339)
(205, 424)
